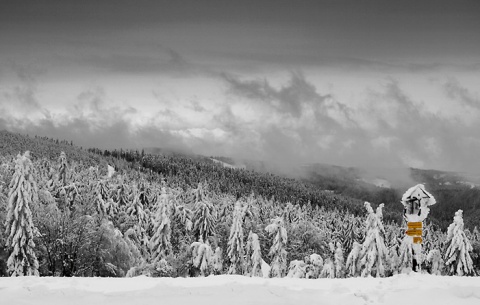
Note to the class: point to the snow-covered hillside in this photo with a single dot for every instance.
(228, 289)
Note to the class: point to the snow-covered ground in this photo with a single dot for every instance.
(230, 290)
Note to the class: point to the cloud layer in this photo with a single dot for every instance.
(357, 83)
(284, 120)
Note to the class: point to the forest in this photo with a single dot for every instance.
(69, 211)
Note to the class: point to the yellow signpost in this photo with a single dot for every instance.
(416, 202)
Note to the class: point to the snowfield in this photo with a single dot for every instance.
(230, 289)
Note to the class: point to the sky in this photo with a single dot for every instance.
(353, 83)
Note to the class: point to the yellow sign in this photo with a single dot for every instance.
(417, 240)
(415, 230)
(412, 225)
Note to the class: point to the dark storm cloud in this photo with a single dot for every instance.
(288, 99)
(456, 91)
(405, 132)
(195, 106)
(438, 142)
(102, 40)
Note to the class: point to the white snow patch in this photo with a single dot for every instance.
(233, 289)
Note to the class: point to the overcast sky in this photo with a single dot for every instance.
(371, 83)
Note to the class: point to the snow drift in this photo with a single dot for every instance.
(233, 289)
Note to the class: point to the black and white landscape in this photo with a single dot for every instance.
(239, 151)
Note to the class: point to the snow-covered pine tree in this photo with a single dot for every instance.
(217, 261)
(328, 270)
(205, 216)
(135, 208)
(62, 169)
(457, 256)
(111, 208)
(19, 224)
(254, 255)
(339, 261)
(405, 256)
(297, 269)
(184, 215)
(160, 242)
(101, 197)
(393, 260)
(235, 250)
(278, 250)
(353, 265)
(434, 258)
(374, 252)
(123, 195)
(202, 256)
(314, 266)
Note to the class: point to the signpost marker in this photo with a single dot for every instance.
(416, 202)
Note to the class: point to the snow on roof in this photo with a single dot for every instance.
(418, 192)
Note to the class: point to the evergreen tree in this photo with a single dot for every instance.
(217, 261)
(122, 196)
(374, 252)
(434, 258)
(457, 256)
(393, 259)
(297, 269)
(62, 169)
(135, 208)
(339, 261)
(254, 255)
(160, 241)
(405, 256)
(202, 256)
(328, 270)
(101, 197)
(19, 224)
(205, 216)
(314, 266)
(278, 250)
(235, 240)
(353, 265)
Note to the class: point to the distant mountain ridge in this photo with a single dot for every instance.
(452, 190)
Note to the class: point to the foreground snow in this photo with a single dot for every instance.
(228, 289)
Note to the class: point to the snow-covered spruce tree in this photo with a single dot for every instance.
(202, 256)
(434, 258)
(405, 256)
(353, 265)
(314, 266)
(217, 261)
(254, 255)
(374, 253)
(184, 216)
(393, 260)
(160, 242)
(339, 261)
(135, 208)
(205, 216)
(278, 250)
(101, 197)
(62, 169)
(235, 250)
(19, 224)
(111, 208)
(328, 270)
(457, 256)
(297, 269)
(122, 195)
